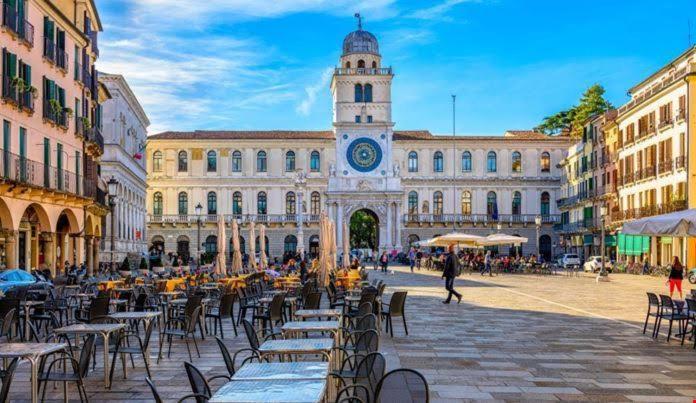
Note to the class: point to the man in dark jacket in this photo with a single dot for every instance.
(450, 272)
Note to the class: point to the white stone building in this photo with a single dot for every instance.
(125, 132)
(414, 184)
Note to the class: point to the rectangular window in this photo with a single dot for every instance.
(357, 118)
(59, 165)
(76, 63)
(78, 173)
(47, 162)
(369, 118)
(6, 144)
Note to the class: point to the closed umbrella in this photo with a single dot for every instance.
(332, 245)
(221, 246)
(252, 245)
(262, 246)
(236, 253)
(323, 276)
(346, 246)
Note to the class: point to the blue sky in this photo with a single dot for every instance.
(265, 64)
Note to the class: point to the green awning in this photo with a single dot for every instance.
(610, 240)
(633, 245)
(588, 239)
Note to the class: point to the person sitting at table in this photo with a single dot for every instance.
(291, 267)
(355, 264)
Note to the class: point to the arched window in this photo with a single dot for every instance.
(261, 207)
(413, 202)
(545, 162)
(212, 203)
(466, 161)
(492, 162)
(437, 203)
(516, 162)
(374, 65)
(315, 161)
(236, 162)
(290, 244)
(466, 202)
(358, 93)
(315, 204)
(237, 203)
(157, 161)
(290, 161)
(212, 161)
(183, 203)
(210, 244)
(157, 203)
(516, 203)
(290, 204)
(492, 205)
(545, 204)
(413, 161)
(348, 64)
(438, 162)
(183, 161)
(426, 207)
(368, 92)
(261, 163)
(361, 64)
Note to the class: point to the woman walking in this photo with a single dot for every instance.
(384, 261)
(676, 275)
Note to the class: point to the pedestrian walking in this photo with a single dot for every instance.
(449, 273)
(419, 256)
(487, 264)
(676, 275)
(412, 258)
(384, 261)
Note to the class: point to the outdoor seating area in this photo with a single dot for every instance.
(304, 341)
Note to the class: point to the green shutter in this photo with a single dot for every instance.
(61, 96)
(11, 3)
(21, 7)
(12, 60)
(6, 136)
(59, 157)
(22, 142)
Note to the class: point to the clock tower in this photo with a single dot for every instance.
(364, 176)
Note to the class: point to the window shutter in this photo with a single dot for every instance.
(12, 60)
(4, 61)
(27, 74)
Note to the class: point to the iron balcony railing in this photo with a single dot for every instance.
(413, 218)
(54, 54)
(9, 90)
(58, 117)
(26, 100)
(22, 170)
(213, 218)
(648, 211)
(93, 135)
(384, 71)
(86, 78)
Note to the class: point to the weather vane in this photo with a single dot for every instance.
(357, 15)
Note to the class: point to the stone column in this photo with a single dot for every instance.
(397, 223)
(50, 253)
(34, 250)
(653, 251)
(339, 231)
(95, 252)
(11, 245)
(388, 241)
(88, 255)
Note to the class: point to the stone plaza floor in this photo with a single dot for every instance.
(513, 338)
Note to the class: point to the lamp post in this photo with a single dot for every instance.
(112, 187)
(300, 184)
(603, 213)
(537, 222)
(198, 209)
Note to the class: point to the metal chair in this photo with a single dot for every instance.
(199, 386)
(653, 301)
(273, 314)
(670, 313)
(126, 344)
(353, 394)
(224, 308)
(402, 386)
(181, 327)
(80, 369)
(395, 308)
(7, 376)
(155, 394)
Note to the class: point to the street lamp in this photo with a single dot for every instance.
(603, 214)
(112, 187)
(198, 210)
(537, 221)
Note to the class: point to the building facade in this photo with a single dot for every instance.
(413, 184)
(125, 131)
(51, 201)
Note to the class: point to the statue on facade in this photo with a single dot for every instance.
(396, 170)
(332, 170)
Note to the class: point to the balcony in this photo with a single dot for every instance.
(55, 113)
(26, 100)
(665, 166)
(680, 162)
(242, 218)
(26, 32)
(18, 169)
(681, 115)
(94, 139)
(656, 88)
(9, 90)
(86, 78)
(665, 123)
(477, 218)
(648, 211)
(10, 18)
(54, 54)
(386, 71)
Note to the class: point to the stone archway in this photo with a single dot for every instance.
(364, 229)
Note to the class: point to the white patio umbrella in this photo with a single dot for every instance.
(425, 242)
(502, 239)
(236, 253)
(456, 238)
(346, 246)
(324, 250)
(263, 261)
(252, 245)
(221, 246)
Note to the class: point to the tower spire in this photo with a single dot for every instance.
(359, 17)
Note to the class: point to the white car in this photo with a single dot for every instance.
(594, 263)
(569, 260)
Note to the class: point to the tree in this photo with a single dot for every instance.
(363, 230)
(143, 264)
(592, 102)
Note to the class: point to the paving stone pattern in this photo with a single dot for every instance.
(513, 338)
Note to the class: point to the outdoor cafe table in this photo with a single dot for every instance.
(320, 346)
(102, 329)
(318, 313)
(27, 307)
(296, 328)
(271, 391)
(31, 352)
(146, 317)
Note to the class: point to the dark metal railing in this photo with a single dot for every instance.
(58, 117)
(93, 135)
(9, 90)
(20, 169)
(9, 18)
(61, 58)
(363, 71)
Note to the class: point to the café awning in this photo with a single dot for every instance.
(680, 223)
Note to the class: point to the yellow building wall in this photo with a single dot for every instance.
(691, 153)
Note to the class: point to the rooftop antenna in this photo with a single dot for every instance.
(357, 15)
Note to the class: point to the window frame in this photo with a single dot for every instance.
(438, 162)
(236, 161)
(492, 156)
(182, 163)
(261, 161)
(413, 161)
(211, 167)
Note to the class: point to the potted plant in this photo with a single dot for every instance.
(144, 270)
(124, 270)
(68, 111)
(86, 124)
(56, 107)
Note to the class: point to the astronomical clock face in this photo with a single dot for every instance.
(364, 154)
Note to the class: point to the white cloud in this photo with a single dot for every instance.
(437, 12)
(305, 107)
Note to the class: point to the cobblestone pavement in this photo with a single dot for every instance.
(513, 338)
